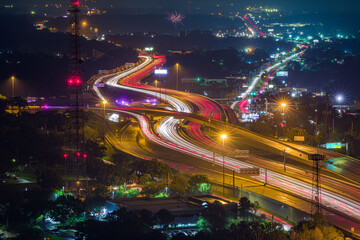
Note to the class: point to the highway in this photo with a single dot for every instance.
(167, 135)
(266, 70)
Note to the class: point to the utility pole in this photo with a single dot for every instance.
(266, 178)
(177, 76)
(233, 183)
(326, 116)
(316, 186)
(13, 86)
(284, 160)
(223, 137)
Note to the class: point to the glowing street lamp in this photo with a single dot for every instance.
(13, 86)
(339, 98)
(223, 137)
(177, 76)
(283, 105)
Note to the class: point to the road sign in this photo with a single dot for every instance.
(299, 138)
(282, 73)
(249, 171)
(161, 71)
(241, 153)
(333, 145)
(316, 157)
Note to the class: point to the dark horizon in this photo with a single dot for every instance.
(307, 5)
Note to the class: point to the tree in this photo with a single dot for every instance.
(3, 104)
(96, 198)
(199, 184)
(19, 102)
(133, 178)
(49, 179)
(66, 209)
(216, 215)
(144, 179)
(244, 207)
(164, 217)
(147, 217)
(159, 169)
(316, 229)
(154, 188)
(180, 185)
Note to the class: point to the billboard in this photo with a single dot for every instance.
(299, 138)
(161, 71)
(282, 73)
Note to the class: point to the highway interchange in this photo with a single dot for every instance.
(189, 126)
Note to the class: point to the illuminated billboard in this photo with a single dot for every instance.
(161, 71)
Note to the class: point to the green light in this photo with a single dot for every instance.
(198, 79)
(221, 63)
(13, 160)
(161, 195)
(204, 187)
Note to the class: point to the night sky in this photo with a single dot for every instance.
(317, 5)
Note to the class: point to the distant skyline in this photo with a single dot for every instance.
(315, 5)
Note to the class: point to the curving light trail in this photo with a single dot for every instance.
(167, 130)
(257, 78)
(170, 138)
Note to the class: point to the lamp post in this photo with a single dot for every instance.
(104, 102)
(177, 76)
(13, 86)
(156, 85)
(283, 105)
(223, 137)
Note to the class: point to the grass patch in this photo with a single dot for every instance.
(26, 175)
(53, 237)
(9, 181)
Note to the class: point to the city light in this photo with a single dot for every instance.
(339, 98)
(223, 136)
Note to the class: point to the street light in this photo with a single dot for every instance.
(283, 105)
(13, 86)
(339, 98)
(177, 76)
(104, 102)
(223, 137)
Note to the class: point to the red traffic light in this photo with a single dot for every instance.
(74, 81)
(85, 155)
(65, 155)
(78, 154)
(70, 81)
